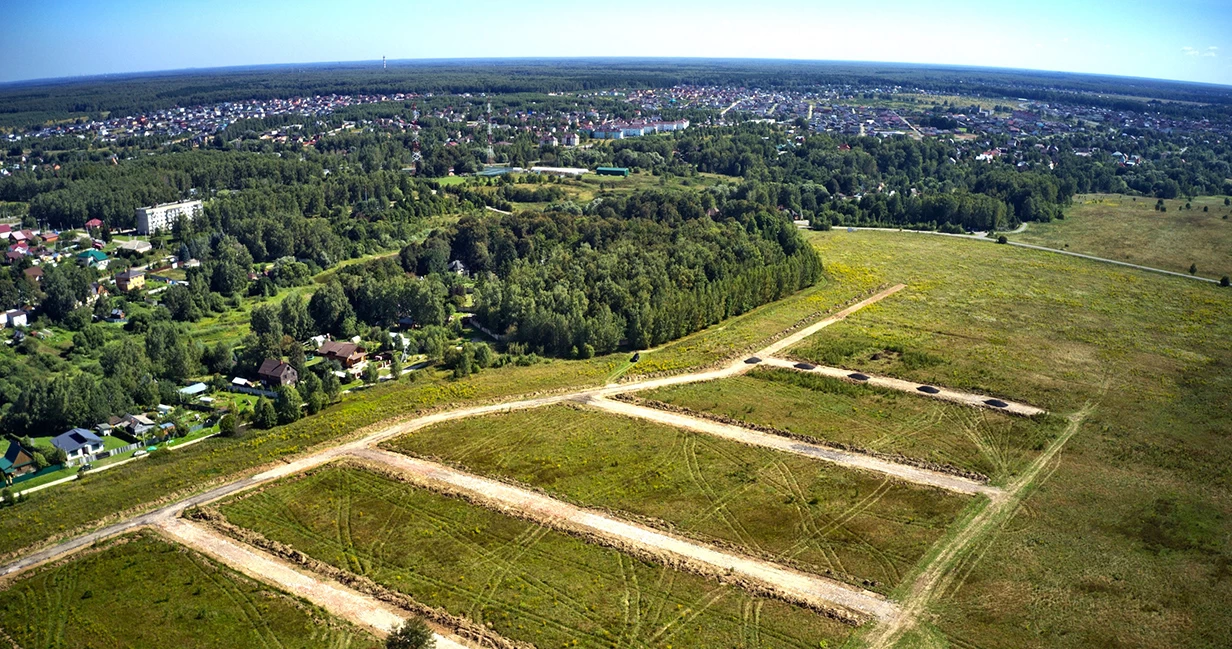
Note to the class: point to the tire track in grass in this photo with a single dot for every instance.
(936, 576)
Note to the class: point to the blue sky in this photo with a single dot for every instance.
(1177, 39)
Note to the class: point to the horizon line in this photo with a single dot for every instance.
(35, 81)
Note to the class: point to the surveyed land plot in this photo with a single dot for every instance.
(141, 591)
(983, 441)
(523, 580)
(862, 528)
(1120, 538)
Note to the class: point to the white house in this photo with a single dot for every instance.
(78, 444)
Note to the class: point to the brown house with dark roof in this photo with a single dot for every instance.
(347, 354)
(275, 372)
(16, 461)
(34, 273)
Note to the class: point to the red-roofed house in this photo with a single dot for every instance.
(93, 223)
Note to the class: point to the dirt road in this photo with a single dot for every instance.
(358, 608)
(945, 394)
(793, 585)
(939, 573)
(823, 593)
(751, 437)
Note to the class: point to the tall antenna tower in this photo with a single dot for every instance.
(491, 155)
(384, 64)
(416, 156)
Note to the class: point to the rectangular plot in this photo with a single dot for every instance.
(855, 526)
(141, 591)
(886, 421)
(528, 582)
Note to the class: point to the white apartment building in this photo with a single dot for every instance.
(163, 217)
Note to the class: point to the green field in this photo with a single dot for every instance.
(887, 421)
(141, 591)
(525, 581)
(823, 518)
(137, 485)
(1127, 541)
(1121, 228)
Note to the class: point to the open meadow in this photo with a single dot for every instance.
(140, 591)
(855, 526)
(991, 443)
(1124, 229)
(524, 581)
(1125, 540)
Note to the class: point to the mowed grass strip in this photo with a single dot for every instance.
(141, 591)
(526, 581)
(855, 526)
(994, 444)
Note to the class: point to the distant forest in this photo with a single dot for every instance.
(26, 104)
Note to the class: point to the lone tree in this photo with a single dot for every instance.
(265, 416)
(413, 634)
(1193, 269)
(1002, 239)
(1224, 281)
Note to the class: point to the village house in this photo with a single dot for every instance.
(347, 354)
(275, 372)
(130, 280)
(78, 444)
(13, 318)
(94, 258)
(17, 461)
(33, 273)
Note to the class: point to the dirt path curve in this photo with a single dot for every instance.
(751, 437)
(353, 606)
(911, 387)
(939, 573)
(298, 464)
(794, 585)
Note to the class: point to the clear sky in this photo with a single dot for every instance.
(1169, 39)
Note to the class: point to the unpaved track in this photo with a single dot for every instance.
(945, 394)
(938, 574)
(794, 585)
(751, 437)
(160, 516)
(358, 608)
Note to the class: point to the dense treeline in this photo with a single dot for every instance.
(637, 270)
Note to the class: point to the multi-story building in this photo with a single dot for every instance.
(163, 217)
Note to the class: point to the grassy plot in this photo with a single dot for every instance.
(826, 519)
(887, 421)
(1127, 541)
(525, 581)
(141, 591)
(1121, 228)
